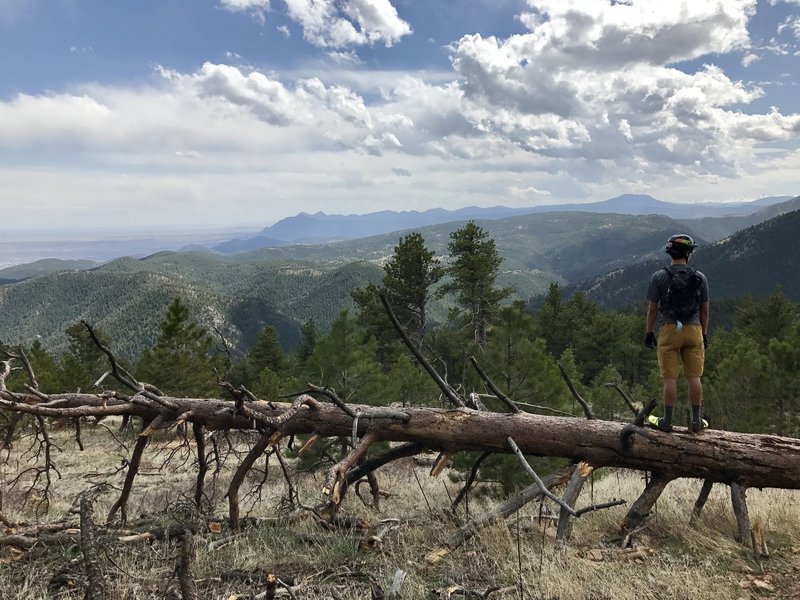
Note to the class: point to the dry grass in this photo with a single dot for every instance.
(673, 559)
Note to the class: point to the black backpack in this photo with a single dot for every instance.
(682, 301)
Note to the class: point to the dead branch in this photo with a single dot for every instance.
(333, 397)
(292, 494)
(739, 501)
(386, 526)
(569, 498)
(95, 586)
(539, 482)
(585, 405)
(336, 478)
(456, 589)
(493, 388)
(183, 568)
(121, 505)
(640, 510)
(372, 464)
(625, 396)
(202, 462)
(702, 498)
(448, 391)
(507, 508)
(238, 477)
(473, 473)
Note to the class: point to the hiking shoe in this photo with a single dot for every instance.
(699, 425)
(659, 423)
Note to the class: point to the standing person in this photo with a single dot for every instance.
(678, 296)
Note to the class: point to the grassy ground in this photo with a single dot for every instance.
(670, 559)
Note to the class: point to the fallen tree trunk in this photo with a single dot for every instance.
(749, 460)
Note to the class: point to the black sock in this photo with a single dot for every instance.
(668, 415)
(696, 413)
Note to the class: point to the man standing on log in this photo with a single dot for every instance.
(678, 296)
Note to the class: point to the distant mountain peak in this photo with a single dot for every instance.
(320, 227)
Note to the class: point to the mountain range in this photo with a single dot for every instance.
(319, 227)
(606, 254)
(752, 261)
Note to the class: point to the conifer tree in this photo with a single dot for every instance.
(264, 365)
(409, 278)
(474, 267)
(308, 340)
(345, 361)
(44, 367)
(179, 363)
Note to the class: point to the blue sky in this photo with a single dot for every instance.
(230, 113)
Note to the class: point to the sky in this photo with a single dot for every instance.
(203, 114)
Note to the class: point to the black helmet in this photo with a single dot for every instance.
(680, 244)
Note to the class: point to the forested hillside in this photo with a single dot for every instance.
(43, 267)
(717, 228)
(127, 298)
(537, 248)
(289, 286)
(753, 261)
(751, 367)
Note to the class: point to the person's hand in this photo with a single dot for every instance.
(650, 340)
(705, 340)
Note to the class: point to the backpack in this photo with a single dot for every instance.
(682, 301)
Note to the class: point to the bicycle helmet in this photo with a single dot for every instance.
(680, 244)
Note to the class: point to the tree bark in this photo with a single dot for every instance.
(750, 460)
(95, 579)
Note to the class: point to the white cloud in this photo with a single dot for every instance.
(593, 81)
(258, 9)
(527, 193)
(330, 24)
(586, 104)
(791, 23)
(624, 127)
(245, 5)
(344, 58)
(606, 35)
(749, 58)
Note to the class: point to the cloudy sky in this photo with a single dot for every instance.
(217, 113)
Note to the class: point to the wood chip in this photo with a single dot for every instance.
(437, 555)
(594, 554)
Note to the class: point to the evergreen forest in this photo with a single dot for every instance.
(527, 350)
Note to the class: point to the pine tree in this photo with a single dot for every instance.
(475, 265)
(345, 361)
(179, 363)
(44, 368)
(308, 340)
(408, 282)
(516, 361)
(263, 367)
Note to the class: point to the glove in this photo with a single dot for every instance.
(650, 340)
(705, 340)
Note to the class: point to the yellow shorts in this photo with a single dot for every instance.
(676, 347)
